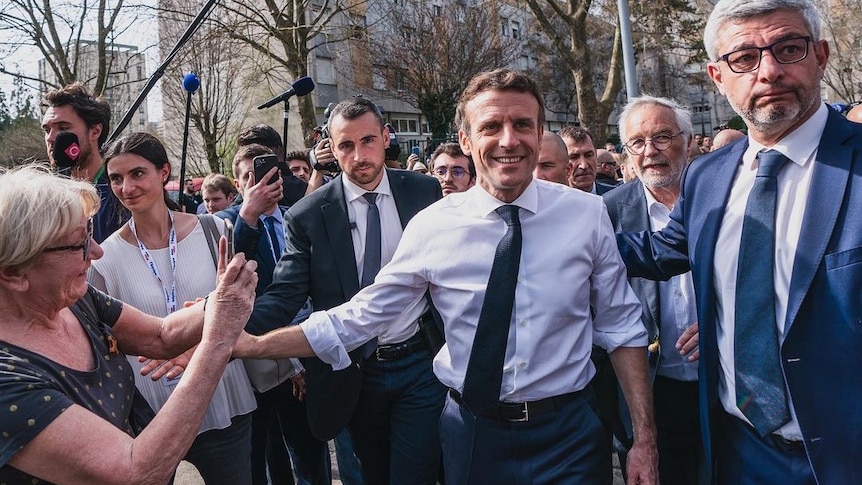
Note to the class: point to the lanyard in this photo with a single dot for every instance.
(99, 175)
(170, 295)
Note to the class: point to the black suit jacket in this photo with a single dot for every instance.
(318, 261)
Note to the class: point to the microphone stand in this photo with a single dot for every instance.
(160, 71)
(284, 130)
(189, 93)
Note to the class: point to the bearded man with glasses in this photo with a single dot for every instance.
(771, 230)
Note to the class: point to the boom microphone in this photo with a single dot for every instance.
(301, 87)
(66, 152)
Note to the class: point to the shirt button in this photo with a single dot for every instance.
(524, 322)
(522, 365)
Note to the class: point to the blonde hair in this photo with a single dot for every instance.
(37, 207)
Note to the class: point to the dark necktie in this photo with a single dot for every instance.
(760, 391)
(371, 260)
(273, 236)
(485, 369)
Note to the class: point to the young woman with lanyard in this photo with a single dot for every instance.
(155, 262)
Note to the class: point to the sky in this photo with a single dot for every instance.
(143, 33)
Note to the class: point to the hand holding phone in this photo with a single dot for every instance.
(262, 165)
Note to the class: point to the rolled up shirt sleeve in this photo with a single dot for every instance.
(617, 310)
(324, 341)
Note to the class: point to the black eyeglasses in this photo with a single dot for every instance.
(661, 143)
(84, 245)
(788, 51)
(456, 172)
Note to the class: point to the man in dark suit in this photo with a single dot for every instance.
(800, 423)
(280, 418)
(582, 157)
(656, 133)
(389, 396)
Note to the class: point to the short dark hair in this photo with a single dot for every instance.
(499, 80)
(262, 135)
(453, 150)
(298, 155)
(354, 107)
(577, 133)
(249, 152)
(94, 111)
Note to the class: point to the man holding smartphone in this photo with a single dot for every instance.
(259, 233)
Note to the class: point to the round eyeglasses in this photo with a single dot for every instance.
(788, 51)
(660, 142)
(77, 247)
(457, 172)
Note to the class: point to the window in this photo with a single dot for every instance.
(438, 10)
(504, 24)
(325, 71)
(406, 126)
(516, 30)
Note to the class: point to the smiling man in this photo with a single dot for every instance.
(771, 230)
(517, 410)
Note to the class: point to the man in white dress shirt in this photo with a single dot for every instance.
(541, 429)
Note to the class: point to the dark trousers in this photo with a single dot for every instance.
(394, 426)
(224, 455)
(558, 447)
(280, 435)
(680, 449)
(742, 457)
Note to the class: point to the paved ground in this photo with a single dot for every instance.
(187, 475)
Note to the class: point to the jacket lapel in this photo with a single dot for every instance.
(828, 184)
(337, 224)
(398, 186)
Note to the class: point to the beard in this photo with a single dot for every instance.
(356, 176)
(776, 118)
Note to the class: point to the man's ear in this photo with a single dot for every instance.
(94, 132)
(464, 141)
(715, 74)
(386, 136)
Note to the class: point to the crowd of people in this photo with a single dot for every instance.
(512, 309)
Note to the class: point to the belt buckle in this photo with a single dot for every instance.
(525, 414)
(378, 356)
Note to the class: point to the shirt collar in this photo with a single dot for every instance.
(799, 145)
(275, 213)
(487, 203)
(353, 191)
(654, 207)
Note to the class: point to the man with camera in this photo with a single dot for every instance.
(336, 240)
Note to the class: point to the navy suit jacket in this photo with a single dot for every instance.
(318, 261)
(822, 352)
(248, 240)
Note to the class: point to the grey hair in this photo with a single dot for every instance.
(680, 113)
(37, 207)
(735, 10)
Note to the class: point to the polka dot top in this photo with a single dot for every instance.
(35, 390)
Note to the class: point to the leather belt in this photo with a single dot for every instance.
(523, 411)
(388, 352)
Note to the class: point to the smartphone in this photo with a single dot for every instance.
(228, 233)
(263, 164)
(416, 151)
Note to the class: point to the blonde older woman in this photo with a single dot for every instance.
(66, 391)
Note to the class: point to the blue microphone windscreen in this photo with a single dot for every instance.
(191, 82)
(303, 86)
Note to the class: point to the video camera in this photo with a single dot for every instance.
(322, 132)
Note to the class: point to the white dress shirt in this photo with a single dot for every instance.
(569, 263)
(390, 234)
(677, 306)
(794, 182)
